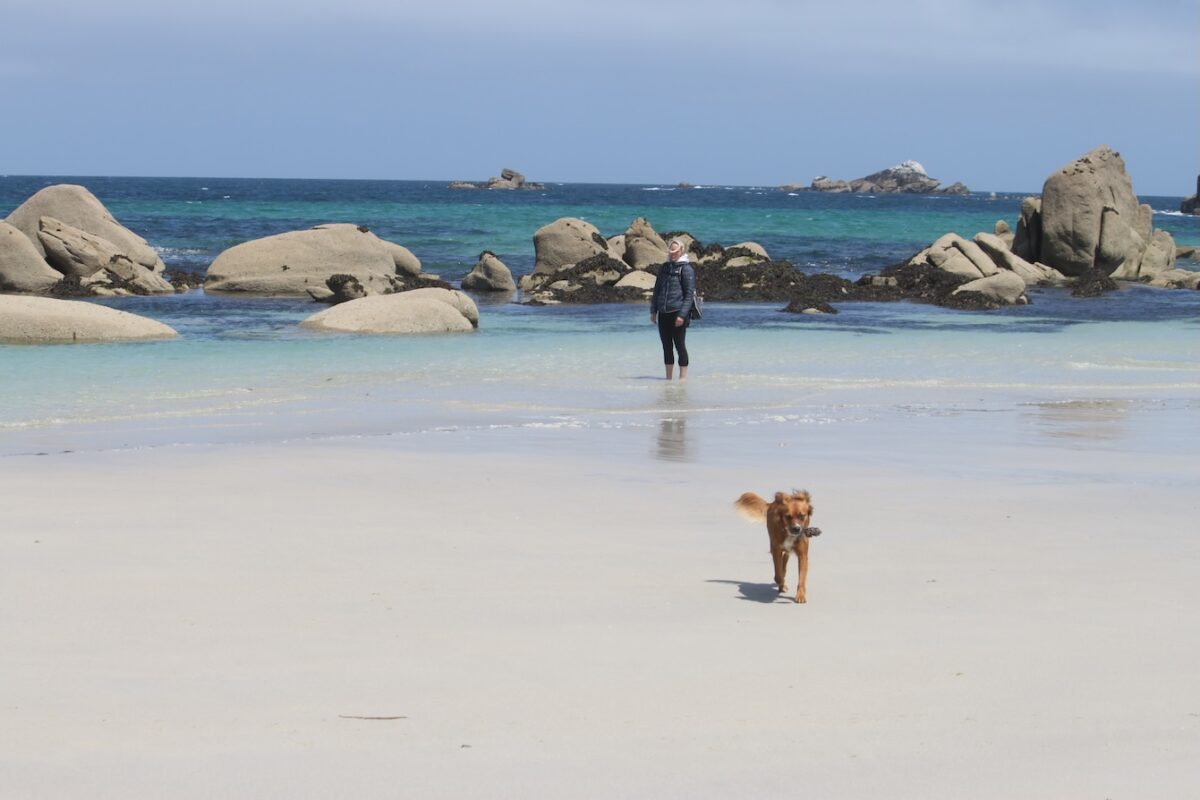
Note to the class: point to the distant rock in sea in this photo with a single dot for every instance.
(1191, 205)
(907, 177)
(508, 179)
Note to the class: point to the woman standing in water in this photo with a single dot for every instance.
(674, 293)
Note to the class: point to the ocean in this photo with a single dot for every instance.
(1120, 368)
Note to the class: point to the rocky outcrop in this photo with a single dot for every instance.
(1091, 219)
(907, 177)
(1087, 225)
(22, 267)
(300, 262)
(508, 179)
(75, 206)
(419, 311)
(78, 254)
(1191, 205)
(489, 275)
(33, 320)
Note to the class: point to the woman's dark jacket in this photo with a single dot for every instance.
(674, 289)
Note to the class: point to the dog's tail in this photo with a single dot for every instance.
(751, 506)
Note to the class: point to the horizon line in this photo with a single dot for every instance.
(544, 182)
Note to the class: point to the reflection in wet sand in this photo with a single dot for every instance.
(672, 439)
(1084, 420)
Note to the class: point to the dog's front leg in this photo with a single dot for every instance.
(802, 563)
(780, 557)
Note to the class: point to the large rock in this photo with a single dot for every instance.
(292, 263)
(1091, 218)
(79, 208)
(489, 275)
(77, 253)
(419, 311)
(22, 268)
(46, 320)
(565, 241)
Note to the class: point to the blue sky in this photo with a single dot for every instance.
(997, 95)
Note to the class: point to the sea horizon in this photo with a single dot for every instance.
(665, 184)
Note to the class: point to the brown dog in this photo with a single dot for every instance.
(788, 518)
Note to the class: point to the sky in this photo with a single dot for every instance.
(748, 92)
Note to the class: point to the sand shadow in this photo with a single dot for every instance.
(755, 592)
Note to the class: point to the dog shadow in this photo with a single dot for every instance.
(755, 592)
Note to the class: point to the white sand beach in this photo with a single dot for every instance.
(375, 618)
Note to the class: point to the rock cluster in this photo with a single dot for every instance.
(907, 177)
(305, 262)
(574, 263)
(508, 179)
(1086, 230)
(63, 240)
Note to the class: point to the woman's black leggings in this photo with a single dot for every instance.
(672, 335)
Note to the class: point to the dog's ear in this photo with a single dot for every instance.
(780, 497)
(801, 494)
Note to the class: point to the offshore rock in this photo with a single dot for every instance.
(508, 179)
(907, 177)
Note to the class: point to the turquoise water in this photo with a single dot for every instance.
(243, 370)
